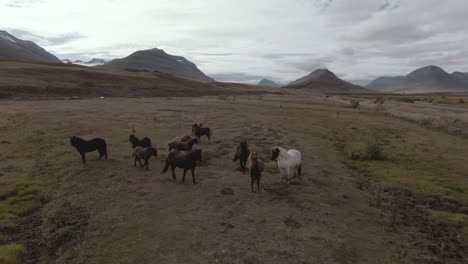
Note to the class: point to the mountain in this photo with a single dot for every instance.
(96, 61)
(158, 60)
(463, 76)
(66, 61)
(269, 83)
(384, 82)
(15, 49)
(325, 81)
(429, 79)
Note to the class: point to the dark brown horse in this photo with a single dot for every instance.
(256, 165)
(83, 146)
(186, 160)
(242, 154)
(144, 154)
(199, 131)
(187, 145)
(171, 144)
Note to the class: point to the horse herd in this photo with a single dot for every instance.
(182, 155)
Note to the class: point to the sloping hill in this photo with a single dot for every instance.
(33, 80)
(268, 83)
(325, 81)
(463, 76)
(15, 49)
(429, 79)
(382, 83)
(158, 60)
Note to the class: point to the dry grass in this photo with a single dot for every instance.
(137, 216)
(11, 254)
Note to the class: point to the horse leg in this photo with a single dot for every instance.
(146, 164)
(139, 161)
(299, 170)
(242, 166)
(252, 180)
(258, 182)
(183, 178)
(134, 164)
(288, 170)
(173, 171)
(193, 175)
(83, 157)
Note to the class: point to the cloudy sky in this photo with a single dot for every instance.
(245, 40)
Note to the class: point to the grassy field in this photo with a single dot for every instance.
(408, 206)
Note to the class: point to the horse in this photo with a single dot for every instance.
(256, 166)
(187, 145)
(289, 160)
(171, 144)
(144, 154)
(199, 124)
(83, 146)
(242, 154)
(199, 131)
(144, 143)
(185, 160)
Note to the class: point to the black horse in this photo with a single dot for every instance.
(144, 143)
(242, 154)
(83, 146)
(185, 160)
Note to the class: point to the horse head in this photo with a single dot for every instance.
(196, 155)
(275, 153)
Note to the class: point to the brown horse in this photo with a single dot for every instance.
(144, 154)
(187, 145)
(199, 124)
(186, 160)
(256, 165)
(171, 144)
(199, 131)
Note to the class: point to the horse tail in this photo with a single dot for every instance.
(299, 170)
(210, 133)
(166, 167)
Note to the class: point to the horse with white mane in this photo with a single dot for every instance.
(289, 160)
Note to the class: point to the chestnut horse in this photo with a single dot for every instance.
(256, 165)
(187, 145)
(199, 131)
(186, 160)
(171, 144)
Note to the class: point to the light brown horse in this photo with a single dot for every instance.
(256, 165)
(187, 145)
(199, 131)
(171, 144)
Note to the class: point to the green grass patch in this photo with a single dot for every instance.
(458, 220)
(18, 199)
(11, 254)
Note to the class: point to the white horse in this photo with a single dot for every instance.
(289, 160)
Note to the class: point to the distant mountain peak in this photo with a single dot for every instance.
(158, 60)
(12, 48)
(325, 81)
(269, 83)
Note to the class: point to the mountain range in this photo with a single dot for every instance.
(12, 48)
(325, 81)
(158, 60)
(427, 79)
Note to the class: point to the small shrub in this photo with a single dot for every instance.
(355, 104)
(379, 100)
(374, 151)
(461, 101)
(11, 254)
